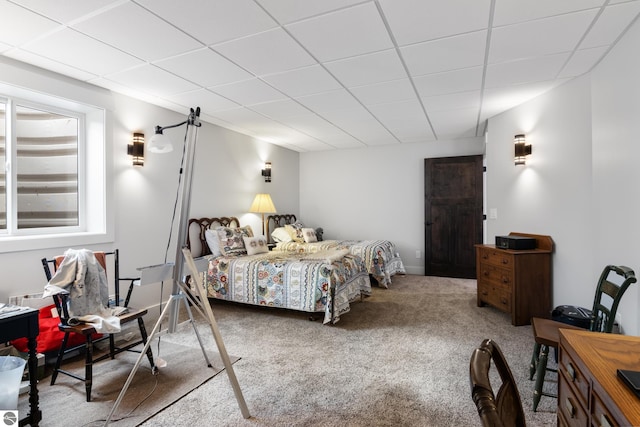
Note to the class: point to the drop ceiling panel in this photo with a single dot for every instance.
(204, 67)
(269, 52)
(20, 26)
(582, 61)
(280, 110)
(386, 92)
(610, 24)
(208, 101)
(213, 21)
(328, 101)
(452, 101)
(455, 124)
(96, 58)
(405, 120)
(48, 64)
(368, 69)
(248, 92)
(415, 21)
(68, 10)
(446, 54)
(152, 80)
(139, 33)
(303, 81)
(542, 37)
(525, 70)
(513, 11)
(500, 99)
(449, 82)
(348, 32)
(287, 11)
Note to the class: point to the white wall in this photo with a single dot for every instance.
(579, 184)
(227, 177)
(374, 193)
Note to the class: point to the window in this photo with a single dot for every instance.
(52, 171)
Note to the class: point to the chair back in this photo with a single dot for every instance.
(109, 261)
(614, 282)
(503, 409)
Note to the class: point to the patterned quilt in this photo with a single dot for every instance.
(380, 256)
(325, 281)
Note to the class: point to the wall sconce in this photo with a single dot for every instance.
(521, 149)
(136, 149)
(266, 172)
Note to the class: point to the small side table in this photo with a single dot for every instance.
(19, 324)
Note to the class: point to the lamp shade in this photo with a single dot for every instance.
(262, 204)
(160, 143)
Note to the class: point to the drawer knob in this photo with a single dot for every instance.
(604, 421)
(571, 410)
(505, 261)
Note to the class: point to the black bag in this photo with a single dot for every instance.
(572, 315)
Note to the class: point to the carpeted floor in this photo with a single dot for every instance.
(399, 358)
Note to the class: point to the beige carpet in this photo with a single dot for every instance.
(400, 358)
(64, 403)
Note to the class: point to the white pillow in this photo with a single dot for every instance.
(281, 235)
(211, 236)
(309, 235)
(255, 245)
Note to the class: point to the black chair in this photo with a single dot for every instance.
(613, 283)
(503, 409)
(88, 331)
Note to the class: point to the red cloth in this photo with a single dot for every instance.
(49, 337)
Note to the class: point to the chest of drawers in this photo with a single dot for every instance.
(589, 391)
(517, 282)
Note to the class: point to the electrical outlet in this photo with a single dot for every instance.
(418, 254)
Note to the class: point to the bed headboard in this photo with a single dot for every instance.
(275, 221)
(196, 241)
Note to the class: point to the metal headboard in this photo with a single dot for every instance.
(197, 228)
(275, 221)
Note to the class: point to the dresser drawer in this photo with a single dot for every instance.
(599, 414)
(574, 378)
(496, 257)
(496, 275)
(495, 295)
(570, 411)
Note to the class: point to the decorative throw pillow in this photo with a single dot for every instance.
(211, 236)
(295, 232)
(231, 242)
(309, 235)
(255, 245)
(281, 235)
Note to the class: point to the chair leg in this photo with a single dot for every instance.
(112, 346)
(540, 373)
(88, 369)
(56, 367)
(534, 360)
(143, 334)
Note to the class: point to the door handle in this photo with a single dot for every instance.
(428, 223)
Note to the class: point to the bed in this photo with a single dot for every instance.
(325, 282)
(380, 256)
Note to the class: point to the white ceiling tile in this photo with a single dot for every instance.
(67, 10)
(245, 118)
(18, 26)
(385, 92)
(582, 61)
(280, 110)
(213, 21)
(4, 47)
(269, 52)
(368, 69)
(348, 32)
(513, 11)
(139, 33)
(287, 11)
(610, 24)
(303, 81)
(415, 21)
(360, 124)
(326, 101)
(344, 141)
(208, 101)
(97, 58)
(451, 53)
(248, 92)
(311, 145)
(449, 82)
(406, 119)
(204, 67)
(48, 64)
(497, 100)
(152, 80)
(452, 101)
(455, 123)
(525, 70)
(542, 37)
(312, 124)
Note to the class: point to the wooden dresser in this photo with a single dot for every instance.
(589, 390)
(516, 281)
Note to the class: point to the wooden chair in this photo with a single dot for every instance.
(88, 331)
(503, 409)
(612, 285)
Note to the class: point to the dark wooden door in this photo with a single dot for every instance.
(453, 215)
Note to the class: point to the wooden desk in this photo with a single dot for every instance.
(21, 324)
(589, 390)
